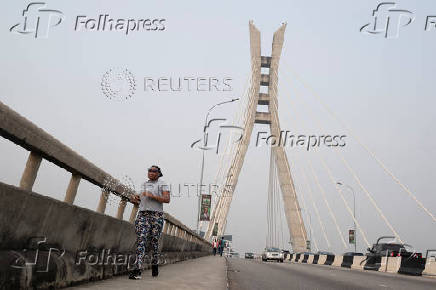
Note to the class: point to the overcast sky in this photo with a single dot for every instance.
(382, 88)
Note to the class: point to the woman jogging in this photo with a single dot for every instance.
(149, 221)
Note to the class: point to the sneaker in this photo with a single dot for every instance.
(135, 275)
(154, 270)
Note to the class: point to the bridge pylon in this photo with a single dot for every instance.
(268, 80)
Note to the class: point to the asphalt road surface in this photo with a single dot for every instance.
(253, 274)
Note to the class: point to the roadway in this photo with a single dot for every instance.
(254, 274)
(218, 273)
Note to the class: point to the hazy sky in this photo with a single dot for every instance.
(382, 88)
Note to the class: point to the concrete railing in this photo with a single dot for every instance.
(43, 146)
(400, 265)
(68, 227)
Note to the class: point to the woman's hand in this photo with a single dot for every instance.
(147, 194)
(135, 198)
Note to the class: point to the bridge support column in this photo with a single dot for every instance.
(73, 186)
(133, 213)
(101, 208)
(165, 227)
(121, 208)
(173, 230)
(31, 171)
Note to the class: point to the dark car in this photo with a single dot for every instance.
(390, 249)
(325, 253)
(352, 254)
(249, 256)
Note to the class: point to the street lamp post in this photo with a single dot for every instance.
(310, 227)
(354, 212)
(202, 159)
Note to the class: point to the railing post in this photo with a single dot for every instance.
(133, 213)
(121, 207)
(31, 171)
(70, 195)
(165, 227)
(103, 201)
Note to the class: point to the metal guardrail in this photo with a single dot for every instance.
(42, 145)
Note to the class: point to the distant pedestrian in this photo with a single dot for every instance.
(221, 243)
(149, 221)
(214, 246)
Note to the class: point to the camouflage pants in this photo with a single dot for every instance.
(148, 227)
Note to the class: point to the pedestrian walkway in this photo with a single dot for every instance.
(202, 273)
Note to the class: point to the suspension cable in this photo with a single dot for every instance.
(367, 149)
(339, 190)
(316, 208)
(342, 157)
(327, 203)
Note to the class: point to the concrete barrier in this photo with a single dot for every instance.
(372, 263)
(329, 260)
(347, 261)
(430, 267)
(71, 244)
(401, 265)
(337, 262)
(412, 266)
(297, 258)
(322, 259)
(59, 233)
(310, 259)
(358, 262)
(390, 264)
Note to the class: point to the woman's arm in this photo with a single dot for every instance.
(165, 198)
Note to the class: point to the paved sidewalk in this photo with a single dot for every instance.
(202, 273)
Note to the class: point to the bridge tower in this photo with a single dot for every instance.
(268, 80)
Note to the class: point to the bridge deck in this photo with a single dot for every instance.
(202, 273)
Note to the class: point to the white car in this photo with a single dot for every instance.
(272, 254)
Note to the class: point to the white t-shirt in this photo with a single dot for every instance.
(155, 187)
